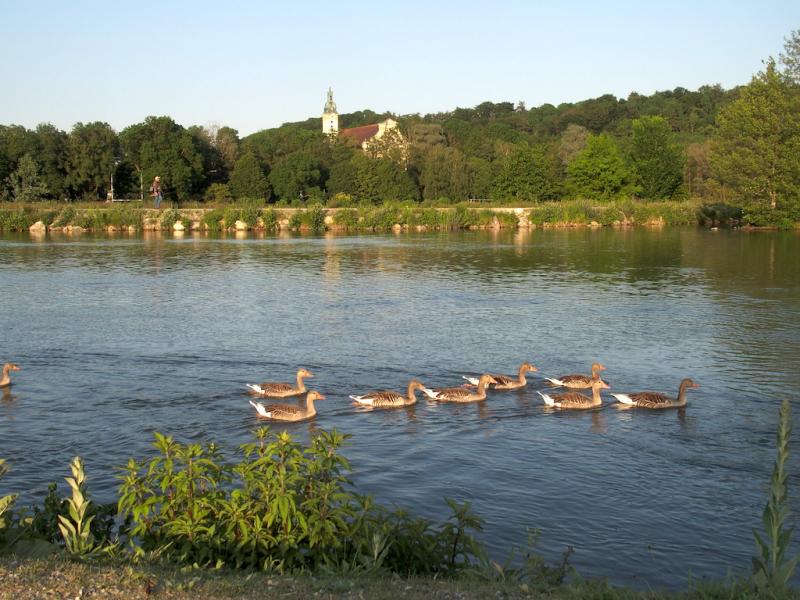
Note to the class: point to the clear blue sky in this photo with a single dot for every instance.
(252, 66)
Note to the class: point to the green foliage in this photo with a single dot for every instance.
(313, 218)
(658, 161)
(280, 507)
(292, 177)
(760, 215)
(270, 218)
(529, 173)
(248, 179)
(76, 526)
(22, 218)
(213, 220)
(719, 214)
(65, 217)
(756, 152)
(771, 569)
(91, 153)
(26, 183)
(169, 217)
(6, 503)
(217, 193)
(160, 146)
(599, 172)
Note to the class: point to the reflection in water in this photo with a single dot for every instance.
(133, 334)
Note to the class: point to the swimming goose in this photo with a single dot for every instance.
(288, 412)
(281, 390)
(576, 381)
(504, 382)
(461, 394)
(5, 380)
(576, 400)
(657, 400)
(388, 398)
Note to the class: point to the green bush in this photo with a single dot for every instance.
(170, 217)
(760, 215)
(270, 218)
(313, 218)
(213, 219)
(280, 507)
(346, 217)
(218, 192)
(65, 217)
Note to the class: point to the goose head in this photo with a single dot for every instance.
(528, 367)
(304, 373)
(688, 383)
(11, 367)
(598, 367)
(313, 396)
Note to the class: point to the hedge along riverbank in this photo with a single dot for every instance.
(386, 217)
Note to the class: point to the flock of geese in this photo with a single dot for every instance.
(473, 391)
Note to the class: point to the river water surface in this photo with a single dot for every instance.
(120, 336)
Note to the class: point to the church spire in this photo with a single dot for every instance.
(330, 118)
(330, 105)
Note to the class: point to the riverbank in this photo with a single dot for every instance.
(61, 578)
(387, 217)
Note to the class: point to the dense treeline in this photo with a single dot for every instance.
(739, 147)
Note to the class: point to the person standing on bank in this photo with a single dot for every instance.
(155, 191)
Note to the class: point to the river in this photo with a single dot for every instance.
(119, 336)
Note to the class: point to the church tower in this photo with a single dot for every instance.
(330, 118)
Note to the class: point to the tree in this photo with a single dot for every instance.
(51, 155)
(248, 179)
(599, 172)
(444, 174)
(159, 146)
(15, 142)
(573, 140)
(756, 151)
(529, 173)
(657, 160)
(294, 176)
(791, 57)
(26, 183)
(92, 151)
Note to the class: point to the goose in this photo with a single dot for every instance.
(5, 380)
(657, 400)
(504, 382)
(576, 381)
(390, 399)
(281, 390)
(461, 394)
(576, 400)
(288, 412)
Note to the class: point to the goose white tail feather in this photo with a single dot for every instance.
(255, 387)
(554, 381)
(624, 398)
(362, 400)
(472, 380)
(260, 409)
(547, 399)
(430, 393)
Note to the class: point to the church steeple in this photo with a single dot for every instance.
(330, 118)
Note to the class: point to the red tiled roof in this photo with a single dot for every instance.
(360, 134)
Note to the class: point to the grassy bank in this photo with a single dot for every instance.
(62, 578)
(385, 217)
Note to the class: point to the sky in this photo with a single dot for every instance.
(256, 65)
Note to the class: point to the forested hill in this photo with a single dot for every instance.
(738, 146)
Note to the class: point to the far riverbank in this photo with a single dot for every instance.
(386, 217)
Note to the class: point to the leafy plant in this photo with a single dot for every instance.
(6, 502)
(76, 527)
(771, 571)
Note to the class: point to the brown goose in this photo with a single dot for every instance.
(657, 400)
(282, 390)
(576, 400)
(505, 382)
(388, 398)
(576, 381)
(288, 412)
(461, 394)
(5, 380)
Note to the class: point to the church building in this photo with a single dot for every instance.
(366, 135)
